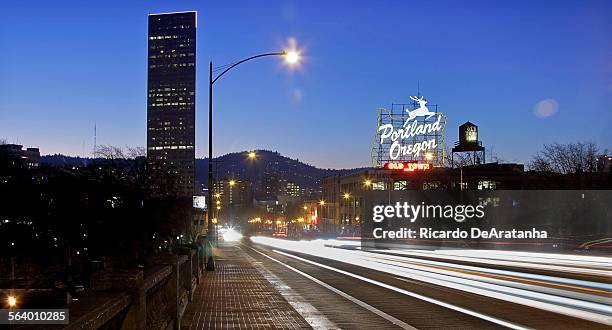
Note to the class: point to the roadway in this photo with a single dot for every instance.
(350, 288)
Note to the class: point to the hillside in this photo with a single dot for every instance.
(238, 166)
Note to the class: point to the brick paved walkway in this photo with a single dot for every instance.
(237, 295)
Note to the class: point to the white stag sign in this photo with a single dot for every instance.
(411, 139)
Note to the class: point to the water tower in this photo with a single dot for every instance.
(469, 143)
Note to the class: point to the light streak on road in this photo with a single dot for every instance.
(577, 298)
(587, 265)
(412, 294)
(231, 235)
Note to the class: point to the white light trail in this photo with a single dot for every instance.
(231, 235)
(601, 266)
(587, 306)
(412, 294)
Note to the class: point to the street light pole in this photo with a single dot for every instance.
(210, 263)
(292, 57)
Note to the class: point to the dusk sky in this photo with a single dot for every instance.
(526, 72)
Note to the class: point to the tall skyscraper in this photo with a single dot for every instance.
(171, 101)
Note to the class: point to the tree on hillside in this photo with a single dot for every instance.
(154, 178)
(117, 152)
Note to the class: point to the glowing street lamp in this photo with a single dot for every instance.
(252, 155)
(429, 156)
(12, 301)
(347, 196)
(322, 202)
(292, 57)
(367, 182)
(217, 195)
(305, 207)
(232, 182)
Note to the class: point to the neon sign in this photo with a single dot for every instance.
(314, 217)
(408, 166)
(413, 135)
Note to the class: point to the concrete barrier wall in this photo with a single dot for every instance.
(151, 298)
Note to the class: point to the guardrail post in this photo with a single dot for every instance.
(196, 264)
(173, 287)
(190, 280)
(201, 243)
(132, 281)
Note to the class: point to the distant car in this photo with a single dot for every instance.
(279, 234)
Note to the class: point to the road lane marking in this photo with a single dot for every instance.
(358, 302)
(413, 294)
(311, 315)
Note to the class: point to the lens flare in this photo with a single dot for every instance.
(292, 57)
(12, 301)
(293, 54)
(231, 235)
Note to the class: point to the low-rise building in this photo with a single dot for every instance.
(604, 163)
(13, 156)
(292, 189)
(342, 206)
(233, 192)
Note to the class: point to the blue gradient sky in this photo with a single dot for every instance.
(67, 64)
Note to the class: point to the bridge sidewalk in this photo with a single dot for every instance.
(237, 295)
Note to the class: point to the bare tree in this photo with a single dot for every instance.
(116, 152)
(109, 152)
(135, 152)
(125, 161)
(566, 158)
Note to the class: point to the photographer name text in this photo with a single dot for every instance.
(472, 233)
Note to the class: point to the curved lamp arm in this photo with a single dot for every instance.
(247, 59)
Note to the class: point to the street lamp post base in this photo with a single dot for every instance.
(210, 264)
